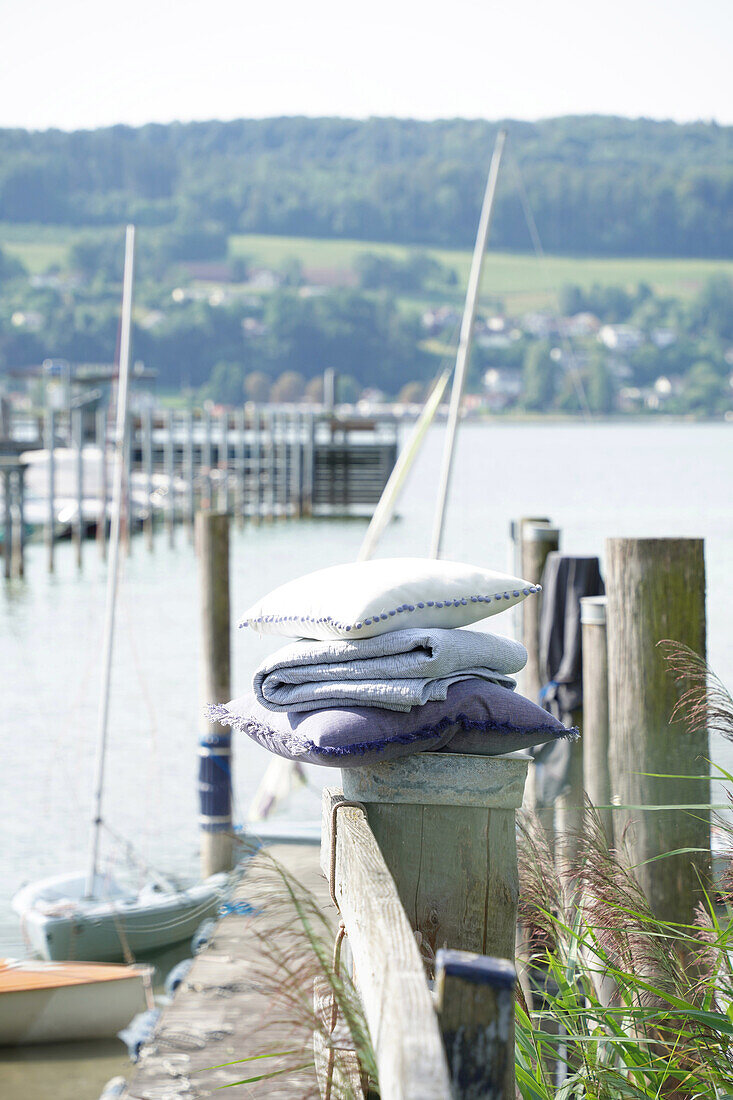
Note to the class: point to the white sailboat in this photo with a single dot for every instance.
(91, 916)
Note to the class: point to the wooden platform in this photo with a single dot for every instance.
(219, 1011)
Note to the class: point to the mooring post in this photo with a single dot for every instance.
(77, 436)
(50, 440)
(101, 434)
(596, 775)
(445, 824)
(18, 546)
(475, 1001)
(215, 776)
(656, 592)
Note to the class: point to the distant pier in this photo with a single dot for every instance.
(256, 463)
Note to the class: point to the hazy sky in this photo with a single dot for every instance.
(85, 63)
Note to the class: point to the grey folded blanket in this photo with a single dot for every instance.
(396, 671)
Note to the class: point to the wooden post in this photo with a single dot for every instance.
(475, 996)
(445, 823)
(77, 430)
(147, 461)
(101, 433)
(596, 776)
(49, 442)
(215, 783)
(537, 541)
(18, 544)
(656, 591)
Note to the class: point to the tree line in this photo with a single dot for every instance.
(595, 185)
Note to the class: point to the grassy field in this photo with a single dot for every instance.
(521, 280)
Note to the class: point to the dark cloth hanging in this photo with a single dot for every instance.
(565, 580)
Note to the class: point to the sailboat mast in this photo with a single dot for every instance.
(464, 345)
(120, 438)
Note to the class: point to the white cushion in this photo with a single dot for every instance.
(363, 599)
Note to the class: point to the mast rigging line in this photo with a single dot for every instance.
(541, 255)
(464, 345)
(114, 555)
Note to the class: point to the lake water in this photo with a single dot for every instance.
(594, 481)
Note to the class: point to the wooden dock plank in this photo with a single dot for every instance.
(219, 1011)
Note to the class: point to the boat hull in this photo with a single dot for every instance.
(95, 1008)
(119, 929)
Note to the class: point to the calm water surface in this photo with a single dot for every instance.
(593, 481)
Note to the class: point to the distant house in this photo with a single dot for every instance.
(435, 321)
(620, 337)
(539, 324)
(251, 328)
(502, 386)
(261, 278)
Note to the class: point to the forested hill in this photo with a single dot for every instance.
(596, 185)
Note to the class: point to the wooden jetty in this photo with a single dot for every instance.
(256, 463)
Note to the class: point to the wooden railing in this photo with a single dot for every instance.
(447, 877)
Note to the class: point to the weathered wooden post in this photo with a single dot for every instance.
(215, 777)
(475, 998)
(49, 442)
(445, 823)
(17, 564)
(656, 591)
(537, 540)
(596, 774)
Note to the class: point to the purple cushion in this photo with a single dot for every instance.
(477, 717)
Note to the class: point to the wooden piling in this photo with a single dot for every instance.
(475, 999)
(537, 540)
(596, 775)
(445, 823)
(212, 544)
(656, 591)
(49, 443)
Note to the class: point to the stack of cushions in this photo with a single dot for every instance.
(384, 666)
